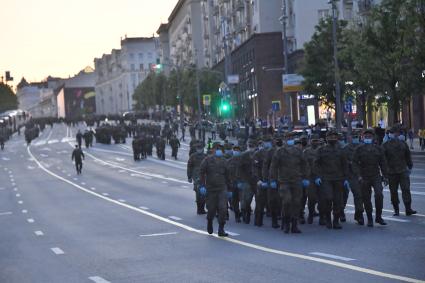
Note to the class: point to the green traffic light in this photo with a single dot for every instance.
(225, 107)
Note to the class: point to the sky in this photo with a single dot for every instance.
(39, 38)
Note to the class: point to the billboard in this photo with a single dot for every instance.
(79, 101)
(292, 83)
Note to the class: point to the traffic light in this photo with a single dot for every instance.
(158, 66)
(225, 107)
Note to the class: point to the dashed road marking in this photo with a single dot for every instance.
(232, 233)
(105, 194)
(6, 213)
(395, 219)
(175, 218)
(39, 233)
(15, 189)
(75, 179)
(185, 187)
(332, 256)
(98, 279)
(18, 195)
(93, 188)
(57, 251)
(158, 234)
(235, 241)
(122, 200)
(24, 211)
(30, 220)
(82, 183)
(20, 202)
(13, 184)
(144, 207)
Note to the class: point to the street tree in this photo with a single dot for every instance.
(8, 99)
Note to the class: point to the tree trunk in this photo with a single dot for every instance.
(369, 110)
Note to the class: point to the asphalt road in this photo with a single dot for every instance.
(122, 221)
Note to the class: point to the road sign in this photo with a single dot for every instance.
(348, 106)
(206, 99)
(276, 106)
(292, 82)
(233, 79)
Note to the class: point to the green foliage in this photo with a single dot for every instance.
(8, 99)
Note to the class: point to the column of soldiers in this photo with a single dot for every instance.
(286, 173)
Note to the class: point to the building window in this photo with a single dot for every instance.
(131, 56)
(150, 55)
(140, 56)
(132, 67)
(323, 14)
(142, 68)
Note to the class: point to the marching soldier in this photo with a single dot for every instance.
(175, 144)
(193, 167)
(310, 154)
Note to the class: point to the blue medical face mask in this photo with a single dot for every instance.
(268, 144)
(391, 136)
(402, 137)
(236, 153)
(218, 153)
(356, 141)
(290, 142)
(368, 141)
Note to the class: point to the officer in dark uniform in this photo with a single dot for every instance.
(175, 144)
(400, 165)
(232, 164)
(246, 180)
(353, 179)
(193, 166)
(311, 190)
(160, 148)
(368, 163)
(331, 169)
(78, 156)
(289, 172)
(79, 138)
(214, 182)
(262, 184)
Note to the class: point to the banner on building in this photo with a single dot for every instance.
(292, 83)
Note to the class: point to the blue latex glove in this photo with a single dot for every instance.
(203, 191)
(229, 195)
(240, 185)
(264, 185)
(306, 183)
(347, 184)
(273, 184)
(318, 182)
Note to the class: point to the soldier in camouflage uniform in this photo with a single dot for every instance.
(193, 166)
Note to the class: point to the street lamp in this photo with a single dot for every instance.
(338, 110)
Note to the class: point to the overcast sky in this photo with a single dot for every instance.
(60, 37)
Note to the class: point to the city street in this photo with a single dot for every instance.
(122, 221)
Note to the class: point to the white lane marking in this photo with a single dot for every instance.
(24, 211)
(175, 218)
(98, 279)
(5, 213)
(121, 171)
(93, 188)
(5, 158)
(185, 187)
(231, 240)
(105, 194)
(69, 175)
(30, 220)
(119, 159)
(75, 179)
(57, 251)
(53, 141)
(144, 207)
(39, 233)
(12, 180)
(232, 233)
(82, 183)
(158, 234)
(44, 155)
(122, 200)
(13, 184)
(31, 167)
(412, 192)
(15, 189)
(332, 256)
(18, 195)
(20, 202)
(395, 219)
(417, 184)
(391, 211)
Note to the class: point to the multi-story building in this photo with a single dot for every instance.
(119, 73)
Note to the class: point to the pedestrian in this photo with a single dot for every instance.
(368, 163)
(411, 135)
(331, 171)
(289, 173)
(214, 183)
(400, 166)
(79, 137)
(78, 157)
(193, 167)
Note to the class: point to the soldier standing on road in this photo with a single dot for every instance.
(246, 180)
(262, 185)
(368, 163)
(400, 166)
(232, 164)
(79, 138)
(193, 167)
(288, 172)
(353, 178)
(160, 148)
(310, 154)
(78, 156)
(175, 144)
(331, 168)
(214, 183)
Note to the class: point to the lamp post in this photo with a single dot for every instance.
(338, 110)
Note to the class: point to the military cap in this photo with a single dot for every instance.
(369, 131)
(217, 144)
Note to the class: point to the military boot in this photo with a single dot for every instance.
(201, 209)
(328, 221)
(274, 221)
(358, 216)
(257, 219)
(210, 227)
(287, 225)
(335, 223)
(238, 217)
(221, 231)
(396, 210)
(409, 210)
(294, 228)
(246, 217)
(369, 219)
